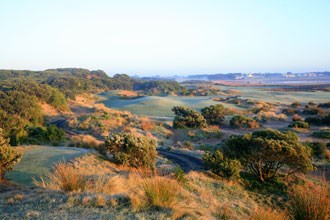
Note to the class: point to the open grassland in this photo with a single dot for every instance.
(155, 105)
(38, 161)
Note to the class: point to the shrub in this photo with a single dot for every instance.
(243, 121)
(161, 192)
(8, 156)
(180, 175)
(290, 111)
(187, 118)
(221, 166)
(214, 114)
(322, 134)
(299, 124)
(310, 202)
(265, 152)
(314, 120)
(313, 111)
(319, 149)
(295, 105)
(132, 149)
(297, 118)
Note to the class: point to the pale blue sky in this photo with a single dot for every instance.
(166, 37)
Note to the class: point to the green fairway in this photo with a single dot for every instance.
(38, 161)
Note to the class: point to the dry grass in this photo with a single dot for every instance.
(311, 201)
(161, 192)
(268, 214)
(85, 141)
(64, 178)
(146, 124)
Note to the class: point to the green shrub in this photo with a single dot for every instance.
(265, 152)
(290, 111)
(319, 148)
(8, 156)
(239, 121)
(325, 134)
(299, 124)
(214, 114)
(222, 166)
(132, 150)
(180, 175)
(187, 118)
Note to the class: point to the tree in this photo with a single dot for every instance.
(187, 118)
(265, 152)
(214, 114)
(8, 156)
(132, 150)
(222, 166)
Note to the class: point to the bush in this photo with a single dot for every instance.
(239, 121)
(221, 166)
(297, 118)
(264, 153)
(310, 202)
(319, 149)
(132, 150)
(187, 118)
(214, 114)
(314, 120)
(325, 134)
(299, 124)
(8, 156)
(296, 105)
(313, 111)
(290, 111)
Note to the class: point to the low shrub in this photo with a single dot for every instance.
(131, 149)
(243, 121)
(290, 111)
(222, 166)
(299, 124)
(325, 134)
(297, 118)
(310, 202)
(313, 111)
(319, 148)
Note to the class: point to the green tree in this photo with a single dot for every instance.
(8, 156)
(214, 114)
(265, 152)
(187, 118)
(132, 150)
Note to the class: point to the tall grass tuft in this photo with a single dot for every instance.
(64, 178)
(161, 192)
(310, 202)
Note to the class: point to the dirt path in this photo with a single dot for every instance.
(185, 161)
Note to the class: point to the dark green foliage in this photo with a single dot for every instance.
(214, 114)
(324, 105)
(157, 87)
(319, 148)
(222, 166)
(8, 156)
(37, 135)
(312, 111)
(299, 124)
(265, 152)
(314, 120)
(132, 150)
(187, 118)
(180, 175)
(322, 134)
(239, 121)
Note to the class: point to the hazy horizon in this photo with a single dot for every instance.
(149, 38)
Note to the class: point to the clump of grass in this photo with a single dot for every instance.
(64, 178)
(310, 202)
(224, 213)
(161, 192)
(268, 214)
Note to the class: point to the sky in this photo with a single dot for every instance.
(172, 37)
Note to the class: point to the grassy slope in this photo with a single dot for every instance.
(38, 160)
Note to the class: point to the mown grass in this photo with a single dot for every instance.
(38, 161)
